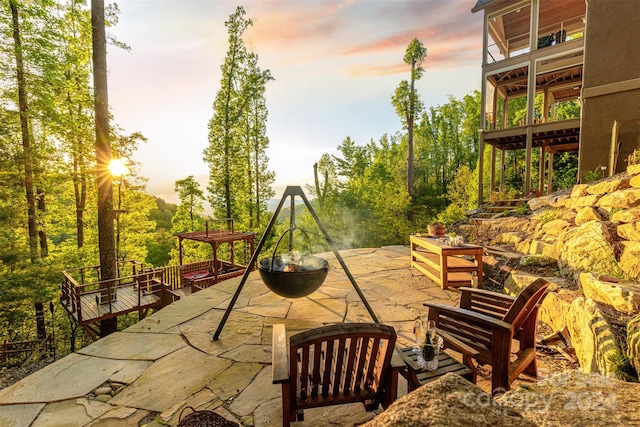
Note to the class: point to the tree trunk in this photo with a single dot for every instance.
(316, 181)
(106, 242)
(80, 193)
(410, 117)
(42, 235)
(40, 324)
(26, 137)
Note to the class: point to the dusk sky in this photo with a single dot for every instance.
(336, 65)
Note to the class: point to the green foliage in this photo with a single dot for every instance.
(591, 176)
(239, 182)
(56, 51)
(163, 213)
(548, 216)
(462, 195)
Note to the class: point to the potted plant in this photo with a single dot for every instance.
(437, 229)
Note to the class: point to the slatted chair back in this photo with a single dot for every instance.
(337, 364)
(526, 303)
(485, 302)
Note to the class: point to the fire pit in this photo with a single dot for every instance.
(293, 278)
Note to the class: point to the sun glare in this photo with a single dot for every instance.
(117, 167)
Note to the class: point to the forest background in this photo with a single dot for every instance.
(48, 201)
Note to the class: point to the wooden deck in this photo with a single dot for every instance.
(128, 299)
(143, 289)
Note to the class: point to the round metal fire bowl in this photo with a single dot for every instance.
(293, 284)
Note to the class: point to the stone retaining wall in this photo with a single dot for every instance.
(593, 233)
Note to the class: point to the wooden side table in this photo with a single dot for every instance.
(416, 376)
(443, 263)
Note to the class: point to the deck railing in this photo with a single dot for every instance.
(103, 295)
(23, 349)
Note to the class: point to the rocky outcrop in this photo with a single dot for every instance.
(624, 297)
(586, 214)
(629, 256)
(596, 347)
(575, 399)
(593, 233)
(555, 305)
(587, 248)
(633, 342)
(448, 401)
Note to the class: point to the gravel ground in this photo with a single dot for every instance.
(9, 376)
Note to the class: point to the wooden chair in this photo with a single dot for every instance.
(335, 364)
(485, 326)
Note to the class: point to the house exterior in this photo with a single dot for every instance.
(544, 54)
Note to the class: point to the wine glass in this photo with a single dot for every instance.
(431, 330)
(418, 333)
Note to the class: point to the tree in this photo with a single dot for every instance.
(27, 143)
(241, 84)
(191, 198)
(75, 128)
(406, 101)
(106, 242)
(256, 142)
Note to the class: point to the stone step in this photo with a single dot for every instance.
(485, 215)
(498, 209)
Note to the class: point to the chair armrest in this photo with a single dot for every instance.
(453, 342)
(279, 356)
(397, 361)
(469, 316)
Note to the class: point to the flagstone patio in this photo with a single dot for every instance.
(168, 362)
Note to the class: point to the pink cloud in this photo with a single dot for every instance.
(331, 29)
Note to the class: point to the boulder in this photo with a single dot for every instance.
(624, 199)
(633, 169)
(575, 399)
(518, 280)
(609, 186)
(624, 297)
(629, 231)
(538, 247)
(554, 308)
(579, 190)
(627, 215)
(540, 202)
(587, 214)
(553, 228)
(583, 201)
(523, 246)
(629, 260)
(633, 342)
(448, 401)
(511, 237)
(596, 347)
(587, 248)
(561, 201)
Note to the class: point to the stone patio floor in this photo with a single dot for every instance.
(167, 362)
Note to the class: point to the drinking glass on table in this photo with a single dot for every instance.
(419, 334)
(431, 330)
